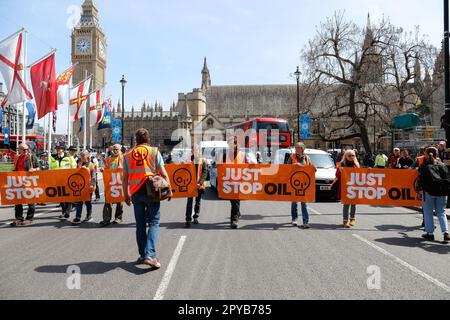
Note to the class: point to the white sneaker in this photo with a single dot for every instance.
(295, 222)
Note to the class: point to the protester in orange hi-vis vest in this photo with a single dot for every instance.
(236, 156)
(141, 162)
(114, 161)
(349, 161)
(85, 162)
(26, 161)
(299, 158)
(201, 168)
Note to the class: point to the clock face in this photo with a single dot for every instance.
(102, 50)
(83, 45)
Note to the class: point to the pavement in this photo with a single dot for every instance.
(382, 257)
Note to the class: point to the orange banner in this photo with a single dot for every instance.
(266, 182)
(182, 179)
(382, 187)
(71, 185)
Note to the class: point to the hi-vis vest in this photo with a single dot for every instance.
(295, 160)
(199, 174)
(420, 160)
(142, 162)
(240, 158)
(108, 163)
(66, 163)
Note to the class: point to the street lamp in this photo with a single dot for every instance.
(123, 82)
(297, 74)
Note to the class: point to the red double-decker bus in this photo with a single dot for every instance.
(264, 133)
(35, 143)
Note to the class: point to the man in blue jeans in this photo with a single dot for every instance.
(299, 158)
(140, 163)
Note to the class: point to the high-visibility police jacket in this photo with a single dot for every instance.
(141, 162)
(66, 162)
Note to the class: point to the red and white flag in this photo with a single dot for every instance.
(12, 67)
(78, 99)
(96, 107)
(44, 86)
(62, 85)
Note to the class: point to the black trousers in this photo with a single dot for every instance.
(19, 211)
(97, 191)
(235, 210)
(66, 207)
(107, 211)
(198, 202)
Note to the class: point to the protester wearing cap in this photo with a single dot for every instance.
(393, 159)
(62, 160)
(25, 162)
(73, 153)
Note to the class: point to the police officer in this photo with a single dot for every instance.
(60, 161)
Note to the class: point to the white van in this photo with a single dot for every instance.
(326, 169)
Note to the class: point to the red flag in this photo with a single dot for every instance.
(44, 85)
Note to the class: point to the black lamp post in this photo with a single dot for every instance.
(297, 74)
(123, 82)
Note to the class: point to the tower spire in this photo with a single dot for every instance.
(206, 78)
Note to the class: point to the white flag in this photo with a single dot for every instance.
(12, 67)
(78, 99)
(96, 107)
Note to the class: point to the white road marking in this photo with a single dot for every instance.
(408, 210)
(170, 269)
(405, 264)
(315, 211)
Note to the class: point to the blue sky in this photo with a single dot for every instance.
(159, 45)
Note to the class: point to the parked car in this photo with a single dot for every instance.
(218, 159)
(326, 169)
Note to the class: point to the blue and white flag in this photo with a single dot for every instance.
(1, 120)
(7, 136)
(31, 115)
(107, 121)
(117, 131)
(305, 126)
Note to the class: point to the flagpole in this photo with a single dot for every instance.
(50, 124)
(85, 120)
(17, 128)
(45, 134)
(24, 129)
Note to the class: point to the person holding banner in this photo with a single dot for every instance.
(27, 162)
(349, 161)
(434, 181)
(85, 162)
(114, 161)
(393, 159)
(236, 156)
(299, 158)
(201, 169)
(142, 162)
(60, 161)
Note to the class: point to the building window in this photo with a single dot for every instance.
(210, 123)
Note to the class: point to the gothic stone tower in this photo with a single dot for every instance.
(89, 52)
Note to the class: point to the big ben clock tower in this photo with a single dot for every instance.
(89, 52)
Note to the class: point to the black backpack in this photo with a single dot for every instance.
(435, 179)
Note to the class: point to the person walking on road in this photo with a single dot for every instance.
(25, 162)
(434, 181)
(85, 162)
(201, 169)
(236, 156)
(60, 161)
(140, 163)
(299, 158)
(115, 161)
(349, 161)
